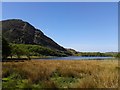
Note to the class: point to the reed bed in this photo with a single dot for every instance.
(61, 74)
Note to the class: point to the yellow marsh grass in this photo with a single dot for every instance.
(89, 73)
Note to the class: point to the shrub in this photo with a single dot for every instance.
(6, 50)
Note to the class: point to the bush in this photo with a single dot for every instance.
(6, 50)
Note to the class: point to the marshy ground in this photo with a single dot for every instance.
(60, 74)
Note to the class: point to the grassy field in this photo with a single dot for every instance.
(61, 74)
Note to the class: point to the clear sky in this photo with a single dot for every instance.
(88, 26)
(60, 0)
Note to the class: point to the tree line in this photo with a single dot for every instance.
(28, 50)
(92, 54)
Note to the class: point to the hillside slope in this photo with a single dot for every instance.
(20, 32)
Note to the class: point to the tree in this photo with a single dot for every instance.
(118, 55)
(6, 50)
(19, 50)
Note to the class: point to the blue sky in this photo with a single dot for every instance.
(60, 0)
(87, 26)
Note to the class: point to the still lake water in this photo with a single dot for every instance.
(76, 58)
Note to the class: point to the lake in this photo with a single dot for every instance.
(76, 58)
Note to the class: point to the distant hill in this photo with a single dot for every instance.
(17, 31)
(74, 52)
(21, 32)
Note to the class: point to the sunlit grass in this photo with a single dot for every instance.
(62, 73)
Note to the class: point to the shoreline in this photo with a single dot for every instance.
(58, 59)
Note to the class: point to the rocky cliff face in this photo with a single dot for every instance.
(21, 32)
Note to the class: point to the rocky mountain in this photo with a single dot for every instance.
(21, 32)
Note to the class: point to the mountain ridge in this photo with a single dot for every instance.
(21, 32)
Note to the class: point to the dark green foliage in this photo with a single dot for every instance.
(34, 50)
(6, 50)
(118, 55)
(19, 51)
(92, 54)
(113, 54)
